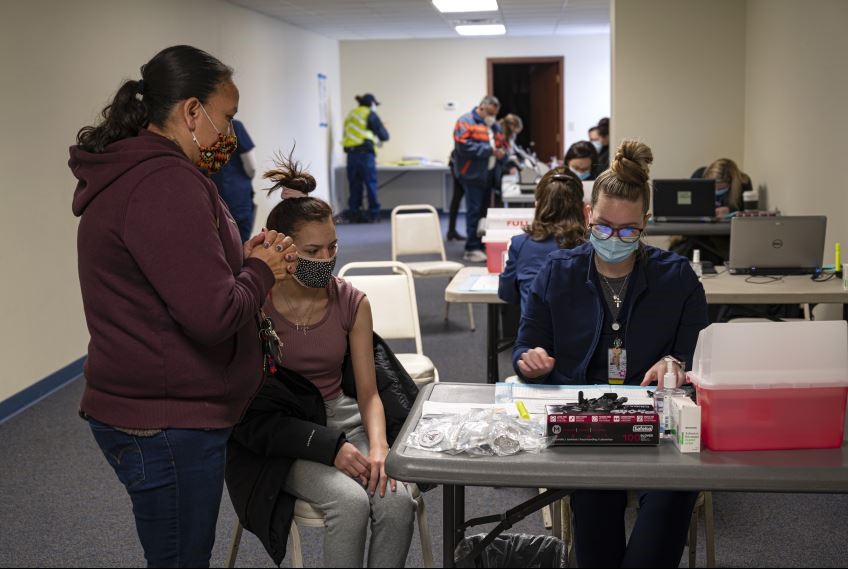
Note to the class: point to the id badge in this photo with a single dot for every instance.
(616, 365)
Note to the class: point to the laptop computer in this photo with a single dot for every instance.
(684, 200)
(778, 245)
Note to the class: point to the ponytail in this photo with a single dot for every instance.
(122, 118)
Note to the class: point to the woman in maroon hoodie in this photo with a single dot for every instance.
(171, 296)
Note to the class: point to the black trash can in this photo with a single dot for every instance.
(514, 551)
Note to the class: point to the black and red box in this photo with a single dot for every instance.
(629, 425)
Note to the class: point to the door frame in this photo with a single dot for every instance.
(559, 60)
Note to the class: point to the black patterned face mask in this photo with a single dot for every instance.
(314, 273)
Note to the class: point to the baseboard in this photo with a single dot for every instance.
(27, 397)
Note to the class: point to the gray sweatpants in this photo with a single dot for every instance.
(347, 506)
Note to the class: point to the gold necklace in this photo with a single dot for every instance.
(302, 324)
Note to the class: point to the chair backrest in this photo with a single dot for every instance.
(392, 296)
(416, 230)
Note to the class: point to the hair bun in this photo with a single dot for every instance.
(632, 162)
(289, 173)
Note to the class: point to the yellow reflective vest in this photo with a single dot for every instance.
(356, 129)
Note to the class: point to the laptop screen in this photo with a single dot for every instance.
(683, 198)
(777, 245)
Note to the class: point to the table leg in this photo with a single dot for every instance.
(492, 327)
(453, 521)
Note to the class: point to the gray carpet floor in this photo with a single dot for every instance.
(61, 505)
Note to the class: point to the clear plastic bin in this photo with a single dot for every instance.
(772, 385)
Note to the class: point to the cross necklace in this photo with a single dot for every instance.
(616, 298)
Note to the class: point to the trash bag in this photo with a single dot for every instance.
(514, 551)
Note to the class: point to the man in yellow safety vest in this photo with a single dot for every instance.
(363, 130)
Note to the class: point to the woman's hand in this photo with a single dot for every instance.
(658, 370)
(535, 363)
(377, 457)
(276, 250)
(351, 462)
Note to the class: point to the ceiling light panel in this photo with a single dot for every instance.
(481, 30)
(450, 6)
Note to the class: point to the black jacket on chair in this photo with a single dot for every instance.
(287, 421)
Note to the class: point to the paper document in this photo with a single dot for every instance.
(486, 283)
(536, 397)
(442, 408)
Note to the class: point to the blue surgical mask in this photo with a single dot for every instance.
(598, 146)
(613, 250)
(583, 175)
(720, 194)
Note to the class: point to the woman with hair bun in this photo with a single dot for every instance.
(616, 311)
(304, 437)
(171, 297)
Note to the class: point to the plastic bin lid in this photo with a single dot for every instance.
(501, 235)
(807, 354)
(507, 213)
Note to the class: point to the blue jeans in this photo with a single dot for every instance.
(362, 171)
(475, 195)
(175, 480)
(657, 540)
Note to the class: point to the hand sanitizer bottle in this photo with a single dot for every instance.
(662, 399)
(696, 263)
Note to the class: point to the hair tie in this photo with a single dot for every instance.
(292, 193)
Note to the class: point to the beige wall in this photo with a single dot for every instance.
(413, 79)
(796, 121)
(679, 80)
(59, 63)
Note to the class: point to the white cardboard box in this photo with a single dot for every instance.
(686, 424)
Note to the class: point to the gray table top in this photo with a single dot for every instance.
(719, 288)
(660, 467)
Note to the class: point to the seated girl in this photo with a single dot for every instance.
(558, 222)
(616, 311)
(313, 442)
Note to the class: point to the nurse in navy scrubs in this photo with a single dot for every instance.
(616, 311)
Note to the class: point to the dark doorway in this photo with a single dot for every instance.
(532, 88)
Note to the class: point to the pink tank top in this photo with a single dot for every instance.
(319, 354)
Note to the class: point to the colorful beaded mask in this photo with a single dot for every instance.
(213, 157)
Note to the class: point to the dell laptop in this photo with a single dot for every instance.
(684, 200)
(776, 245)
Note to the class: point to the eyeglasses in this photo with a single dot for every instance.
(627, 235)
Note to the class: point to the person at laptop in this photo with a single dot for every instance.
(581, 158)
(559, 222)
(730, 184)
(615, 310)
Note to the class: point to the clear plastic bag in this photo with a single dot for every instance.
(480, 432)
